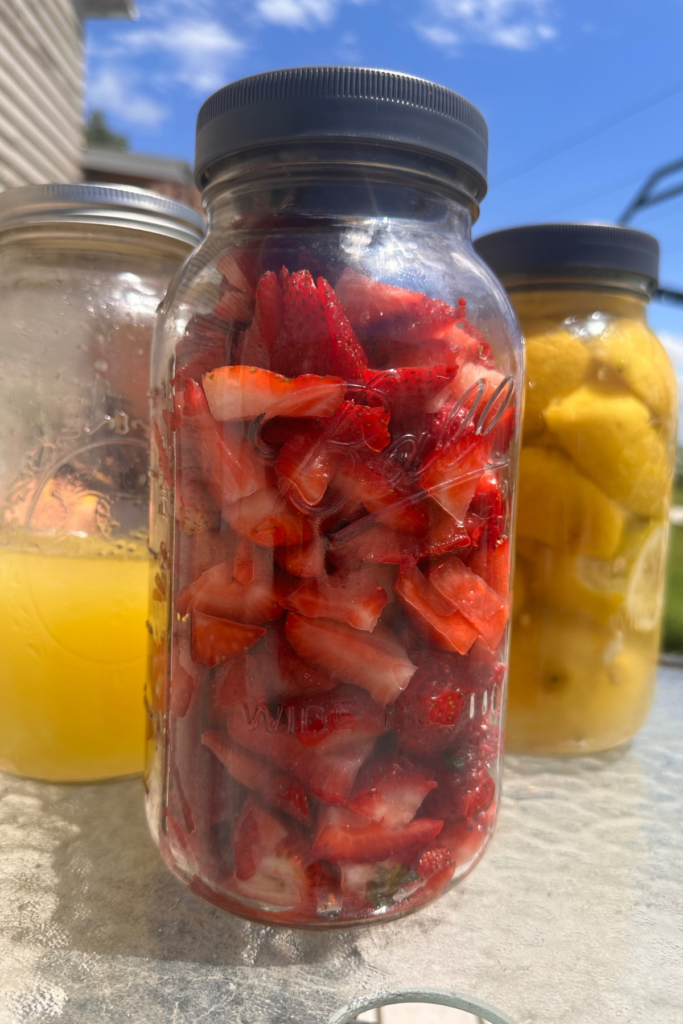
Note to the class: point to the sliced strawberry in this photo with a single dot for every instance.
(489, 505)
(462, 794)
(186, 681)
(267, 519)
(452, 471)
(312, 721)
(493, 565)
(306, 465)
(304, 561)
(374, 543)
(342, 836)
(278, 790)
(196, 509)
(353, 423)
(486, 610)
(431, 712)
(381, 486)
(373, 306)
(258, 341)
(410, 389)
(234, 682)
(217, 640)
(467, 840)
(345, 596)
(304, 344)
(375, 661)
(201, 551)
(348, 358)
(233, 305)
(205, 344)
(271, 863)
(252, 563)
(329, 767)
(229, 466)
(217, 593)
(245, 392)
(445, 534)
(435, 618)
(283, 673)
(433, 861)
(389, 790)
(233, 265)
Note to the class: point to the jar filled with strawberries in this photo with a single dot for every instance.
(335, 400)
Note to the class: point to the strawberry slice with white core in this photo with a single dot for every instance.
(245, 392)
(346, 596)
(435, 617)
(271, 866)
(326, 768)
(230, 467)
(217, 593)
(453, 470)
(306, 464)
(278, 790)
(410, 389)
(383, 488)
(268, 519)
(389, 790)
(342, 836)
(469, 594)
(282, 671)
(375, 543)
(216, 640)
(375, 661)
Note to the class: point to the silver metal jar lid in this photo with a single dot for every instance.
(123, 206)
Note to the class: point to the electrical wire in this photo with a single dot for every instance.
(603, 125)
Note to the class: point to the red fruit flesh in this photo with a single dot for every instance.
(252, 563)
(453, 470)
(374, 543)
(234, 682)
(493, 565)
(373, 306)
(354, 423)
(329, 767)
(390, 791)
(245, 392)
(304, 344)
(306, 465)
(257, 344)
(271, 865)
(489, 505)
(430, 714)
(230, 468)
(217, 593)
(410, 389)
(375, 661)
(348, 358)
(486, 610)
(267, 519)
(282, 671)
(196, 509)
(347, 597)
(344, 836)
(383, 488)
(217, 640)
(304, 561)
(278, 790)
(461, 794)
(435, 618)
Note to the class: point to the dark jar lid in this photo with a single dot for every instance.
(326, 104)
(536, 253)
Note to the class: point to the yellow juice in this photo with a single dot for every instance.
(72, 664)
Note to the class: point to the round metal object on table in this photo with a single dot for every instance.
(489, 1014)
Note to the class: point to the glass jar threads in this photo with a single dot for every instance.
(596, 469)
(82, 270)
(336, 378)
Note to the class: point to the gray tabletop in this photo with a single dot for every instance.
(573, 917)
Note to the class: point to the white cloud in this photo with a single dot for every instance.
(298, 13)
(201, 50)
(512, 24)
(111, 90)
(438, 35)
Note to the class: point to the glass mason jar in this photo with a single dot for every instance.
(596, 467)
(335, 377)
(82, 270)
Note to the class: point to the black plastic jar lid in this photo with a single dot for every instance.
(551, 249)
(327, 103)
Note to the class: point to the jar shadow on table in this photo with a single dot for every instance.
(116, 898)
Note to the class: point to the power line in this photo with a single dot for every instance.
(603, 125)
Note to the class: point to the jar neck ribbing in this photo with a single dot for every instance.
(339, 184)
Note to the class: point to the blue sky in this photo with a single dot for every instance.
(549, 75)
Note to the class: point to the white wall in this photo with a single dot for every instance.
(41, 92)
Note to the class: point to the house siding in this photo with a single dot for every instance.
(41, 92)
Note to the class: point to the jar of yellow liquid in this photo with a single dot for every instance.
(596, 469)
(82, 271)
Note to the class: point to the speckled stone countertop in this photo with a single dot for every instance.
(575, 916)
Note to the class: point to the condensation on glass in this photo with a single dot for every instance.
(596, 469)
(82, 271)
(336, 380)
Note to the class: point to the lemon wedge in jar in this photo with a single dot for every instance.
(632, 350)
(645, 588)
(560, 507)
(556, 364)
(592, 587)
(609, 436)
